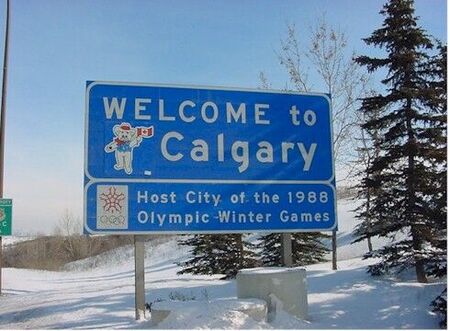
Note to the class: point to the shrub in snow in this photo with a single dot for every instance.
(307, 248)
(217, 254)
(440, 306)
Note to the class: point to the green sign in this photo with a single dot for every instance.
(5, 217)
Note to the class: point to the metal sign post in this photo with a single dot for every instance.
(286, 249)
(139, 276)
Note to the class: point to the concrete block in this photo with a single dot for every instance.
(288, 285)
(159, 315)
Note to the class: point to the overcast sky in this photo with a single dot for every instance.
(56, 46)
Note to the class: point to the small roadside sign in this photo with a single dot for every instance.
(5, 217)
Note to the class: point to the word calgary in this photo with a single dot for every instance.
(176, 146)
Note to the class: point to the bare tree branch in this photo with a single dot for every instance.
(331, 61)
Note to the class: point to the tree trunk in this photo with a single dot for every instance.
(411, 198)
(369, 244)
(368, 218)
(241, 250)
(419, 265)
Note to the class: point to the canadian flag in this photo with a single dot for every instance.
(144, 132)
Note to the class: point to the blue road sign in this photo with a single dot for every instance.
(181, 159)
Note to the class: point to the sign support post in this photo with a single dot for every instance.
(286, 249)
(139, 276)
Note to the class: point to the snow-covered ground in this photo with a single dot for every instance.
(346, 224)
(11, 240)
(99, 293)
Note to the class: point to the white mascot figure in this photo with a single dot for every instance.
(126, 139)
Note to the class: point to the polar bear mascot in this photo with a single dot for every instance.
(126, 139)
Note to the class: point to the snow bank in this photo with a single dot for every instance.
(11, 240)
(347, 223)
(270, 270)
(160, 311)
(155, 251)
(213, 314)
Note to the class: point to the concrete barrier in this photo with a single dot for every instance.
(284, 287)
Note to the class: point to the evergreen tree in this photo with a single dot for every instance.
(217, 254)
(235, 254)
(270, 246)
(204, 259)
(437, 265)
(440, 307)
(405, 173)
(437, 100)
(307, 248)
